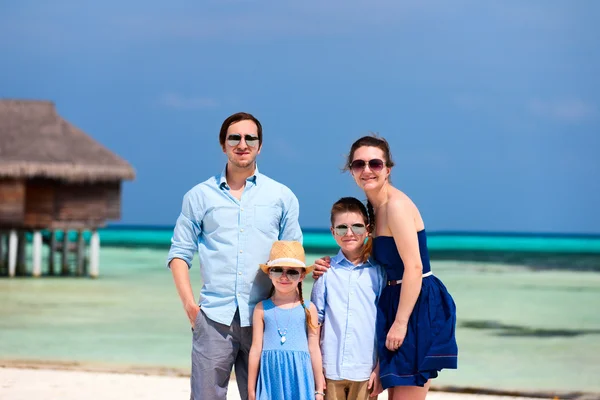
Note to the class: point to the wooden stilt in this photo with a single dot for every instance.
(80, 252)
(52, 250)
(3, 262)
(65, 253)
(13, 242)
(21, 266)
(37, 253)
(94, 254)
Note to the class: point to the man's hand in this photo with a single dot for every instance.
(321, 266)
(192, 313)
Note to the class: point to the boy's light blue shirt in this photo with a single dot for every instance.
(232, 238)
(346, 299)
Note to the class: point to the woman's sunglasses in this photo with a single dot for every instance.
(375, 165)
(235, 139)
(278, 272)
(357, 229)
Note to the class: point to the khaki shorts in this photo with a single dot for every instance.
(346, 390)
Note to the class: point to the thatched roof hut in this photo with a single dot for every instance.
(36, 142)
(53, 175)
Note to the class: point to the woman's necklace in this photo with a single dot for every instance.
(283, 331)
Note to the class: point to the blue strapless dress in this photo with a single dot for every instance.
(430, 342)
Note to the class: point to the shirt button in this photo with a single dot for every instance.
(239, 273)
(242, 230)
(241, 251)
(241, 208)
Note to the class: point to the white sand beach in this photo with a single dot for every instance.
(52, 384)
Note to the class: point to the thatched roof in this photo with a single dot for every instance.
(36, 142)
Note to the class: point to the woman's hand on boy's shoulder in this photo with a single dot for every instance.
(321, 266)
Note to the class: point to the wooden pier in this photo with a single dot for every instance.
(75, 257)
(55, 182)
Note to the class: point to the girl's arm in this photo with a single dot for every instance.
(402, 225)
(258, 328)
(314, 349)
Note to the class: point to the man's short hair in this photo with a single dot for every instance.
(237, 117)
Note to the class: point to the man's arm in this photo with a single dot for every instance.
(289, 227)
(181, 276)
(183, 246)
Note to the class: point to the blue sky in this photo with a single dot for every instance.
(492, 108)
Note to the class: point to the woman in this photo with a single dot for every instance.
(416, 315)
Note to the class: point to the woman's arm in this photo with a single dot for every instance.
(314, 349)
(402, 226)
(258, 328)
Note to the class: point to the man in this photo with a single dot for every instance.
(232, 219)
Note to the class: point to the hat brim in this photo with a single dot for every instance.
(265, 268)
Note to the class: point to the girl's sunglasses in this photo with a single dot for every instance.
(235, 139)
(357, 229)
(278, 272)
(375, 165)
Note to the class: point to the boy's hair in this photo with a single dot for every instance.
(352, 204)
(309, 322)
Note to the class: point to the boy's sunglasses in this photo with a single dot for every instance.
(278, 272)
(235, 139)
(375, 165)
(357, 229)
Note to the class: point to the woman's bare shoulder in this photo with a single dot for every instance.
(398, 200)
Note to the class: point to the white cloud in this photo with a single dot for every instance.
(571, 110)
(177, 101)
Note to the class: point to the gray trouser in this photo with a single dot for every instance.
(216, 348)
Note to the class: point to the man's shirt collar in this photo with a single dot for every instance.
(254, 178)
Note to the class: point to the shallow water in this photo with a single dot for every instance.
(518, 327)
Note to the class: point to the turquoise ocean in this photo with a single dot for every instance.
(528, 309)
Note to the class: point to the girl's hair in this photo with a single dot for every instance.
(308, 317)
(352, 204)
(382, 144)
(309, 322)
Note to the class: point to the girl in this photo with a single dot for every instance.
(285, 359)
(416, 315)
(346, 298)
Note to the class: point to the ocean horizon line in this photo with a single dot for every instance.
(574, 235)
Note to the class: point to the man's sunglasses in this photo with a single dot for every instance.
(278, 272)
(235, 139)
(375, 165)
(357, 229)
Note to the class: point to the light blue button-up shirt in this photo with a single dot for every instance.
(346, 299)
(232, 238)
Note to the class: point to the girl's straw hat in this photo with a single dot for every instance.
(286, 254)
